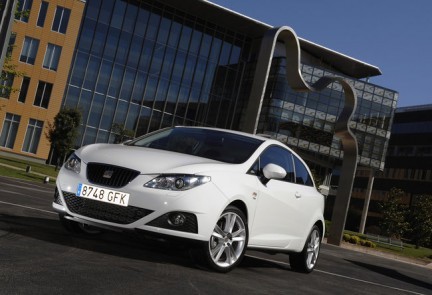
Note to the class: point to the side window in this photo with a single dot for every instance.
(302, 174)
(279, 156)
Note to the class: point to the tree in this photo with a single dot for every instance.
(8, 74)
(121, 133)
(63, 132)
(421, 220)
(393, 222)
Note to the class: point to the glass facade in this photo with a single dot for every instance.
(143, 65)
(306, 120)
(148, 66)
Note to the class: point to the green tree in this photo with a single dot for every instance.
(121, 134)
(7, 75)
(420, 219)
(63, 132)
(393, 223)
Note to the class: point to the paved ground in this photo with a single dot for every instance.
(38, 257)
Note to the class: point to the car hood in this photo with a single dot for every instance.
(150, 161)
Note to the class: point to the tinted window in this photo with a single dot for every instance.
(212, 144)
(279, 156)
(302, 174)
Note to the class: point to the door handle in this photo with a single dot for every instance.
(297, 195)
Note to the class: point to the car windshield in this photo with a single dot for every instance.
(212, 144)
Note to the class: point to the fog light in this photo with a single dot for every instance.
(176, 219)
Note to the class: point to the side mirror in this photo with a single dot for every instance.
(273, 171)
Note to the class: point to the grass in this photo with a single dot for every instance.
(408, 250)
(5, 171)
(22, 163)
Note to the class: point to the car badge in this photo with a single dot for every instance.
(108, 174)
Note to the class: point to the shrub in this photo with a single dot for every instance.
(363, 242)
(370, 244)
(354, 240)
(327, 227)
(346, 237)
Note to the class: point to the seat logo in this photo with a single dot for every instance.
(108, 174)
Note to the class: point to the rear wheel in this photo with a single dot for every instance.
(78, 228)
(228, 242)
(305, 261)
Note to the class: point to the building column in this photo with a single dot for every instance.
(367, 200)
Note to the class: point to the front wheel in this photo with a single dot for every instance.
(228, 242)
(305, 261)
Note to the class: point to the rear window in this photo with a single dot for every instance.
(212, 144)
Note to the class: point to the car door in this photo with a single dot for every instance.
(279, 215)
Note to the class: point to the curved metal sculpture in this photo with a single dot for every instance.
(296, 82)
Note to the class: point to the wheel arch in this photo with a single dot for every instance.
(321, 227)
(242, 207)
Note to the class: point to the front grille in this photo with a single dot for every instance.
(57, 198)
(110, 175)
(104, 211)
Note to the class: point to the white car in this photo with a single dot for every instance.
(226, 189)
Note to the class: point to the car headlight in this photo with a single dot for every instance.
(177, 182)
(73, 164)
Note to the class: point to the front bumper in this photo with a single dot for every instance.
(149, 210)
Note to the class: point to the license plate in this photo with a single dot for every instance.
(102, 194)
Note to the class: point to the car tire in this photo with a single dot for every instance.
(306, 260)
(228, 242)
(78, 228)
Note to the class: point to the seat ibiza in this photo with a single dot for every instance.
(229, 191)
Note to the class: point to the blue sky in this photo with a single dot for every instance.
(394, 35)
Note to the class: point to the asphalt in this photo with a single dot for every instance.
(37, 256)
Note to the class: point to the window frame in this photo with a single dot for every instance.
(43, 98)
(61, 26)
(25, 7)
(14, 120)
(43, 9)
(26, 50)
(32, 142)
(52, 56)
(23, 92)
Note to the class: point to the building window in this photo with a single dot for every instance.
(29, 50)
(61, 20)
(24, 88)
(52, 56)
(33, 134)
(43, 94)
(23, 10)
(42, 14)
(12, 40)
(6, 81)
(9, 131)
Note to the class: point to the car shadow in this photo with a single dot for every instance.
(126, 245)
(121, 244)
(392, 274)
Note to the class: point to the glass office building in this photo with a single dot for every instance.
(307, 120)
(146, 65)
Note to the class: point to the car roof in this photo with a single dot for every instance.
(262, 137)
